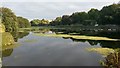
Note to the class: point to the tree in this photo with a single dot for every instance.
(89, 23)
(94, 14)
(79, 17)
(109, 14)
(2, 28)
(116, 16)
(106, 16)
(9, 19)
(65, 20)
(44, 22)
(23, 22)
(57, 21)
(35, 22)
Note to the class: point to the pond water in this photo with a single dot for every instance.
(36, 50)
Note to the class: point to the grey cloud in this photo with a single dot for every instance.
(59, 0)
(50, 10)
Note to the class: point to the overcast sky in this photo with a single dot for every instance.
(50, 10)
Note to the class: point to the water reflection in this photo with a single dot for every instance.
(8, 41)
(49, 50)
(108, 44)
(18, 35)
(110, 34)
(7, 52)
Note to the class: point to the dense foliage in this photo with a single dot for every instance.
(112, 60)
(108, 15)
(11, 21)
(37, 22)
(7, 39)
(57, 21)
(23, 22)
(2, 28)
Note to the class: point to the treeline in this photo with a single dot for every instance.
(108, 15)
(11, 21)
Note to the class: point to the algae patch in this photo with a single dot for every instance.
(103, 51)
(78, 37)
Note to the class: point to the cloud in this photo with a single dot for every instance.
(50, 10)
(59, 0)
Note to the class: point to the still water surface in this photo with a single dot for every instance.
(36, 50)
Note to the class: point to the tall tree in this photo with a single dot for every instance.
(79, 17)
(65, 20)
(108, 13)
(9, 19)
(57, 21)
(23, 22)
(94, 14)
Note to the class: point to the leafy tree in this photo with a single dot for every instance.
(35, 22)
(23, 22)
(57, 21)
(106, 16)
(94, 14)
(2, 28)
(65, 20)
(9, 19)
(109, 13)
(116, 15)
(79, 17)
(89, 23)
(44, 22)
(7, 39)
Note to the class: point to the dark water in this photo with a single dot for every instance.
(36, 50)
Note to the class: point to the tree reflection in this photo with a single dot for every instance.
(108, 44)
(40, 30)
(8, 41)
(7, 52)
(78, 40)
(109, 34)
(18, 35)
(92, 42)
